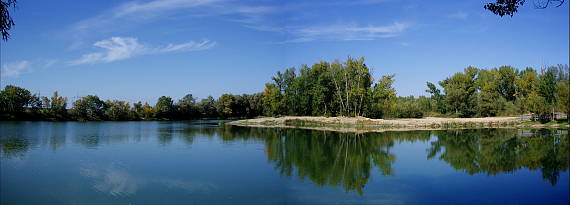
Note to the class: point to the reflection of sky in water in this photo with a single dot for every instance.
(117, 182)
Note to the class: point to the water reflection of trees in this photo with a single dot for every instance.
(494, 151)
(14, 147)
(346, 160)
(328, 158)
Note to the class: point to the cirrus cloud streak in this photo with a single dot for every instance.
(121, 48)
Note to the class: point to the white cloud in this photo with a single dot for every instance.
(346, 32)
(189, 46)
(260, 16)
(459, 15)
(16, 69)
(120, 48)
(134, 8)
(49, 63)
(135, 13)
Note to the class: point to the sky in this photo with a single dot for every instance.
(141, 50)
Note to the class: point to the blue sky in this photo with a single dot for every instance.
(141, 50)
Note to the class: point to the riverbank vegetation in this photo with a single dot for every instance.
(326, 89)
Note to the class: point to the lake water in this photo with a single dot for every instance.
(200, 162)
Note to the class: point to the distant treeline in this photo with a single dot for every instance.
(325, 89)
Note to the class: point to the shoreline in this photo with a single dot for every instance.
(363, 124)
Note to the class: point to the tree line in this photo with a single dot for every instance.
(348, 89)
(325, 89)
(19, 104)
(502, 91)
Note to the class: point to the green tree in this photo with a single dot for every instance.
(89, 108)
(437, 97)
(55, 108)
(272, 100)
(147, 112)
(383, 98)
(407, 107)
(352, 81)
(137, 111)
(563, 97)
(460, 92)
(164, 108)
(506, 82)
(207, 107)
(491, 102)
(227, 105)
(525, 83)
(322, 90)
(187, 107)
(117, 110)
(14, 99)
(547, 89)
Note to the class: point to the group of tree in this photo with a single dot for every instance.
(336, 89)
(19, 104)
(502, 91)
(348, 89)
(326, 89)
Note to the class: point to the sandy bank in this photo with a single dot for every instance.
(359, 124)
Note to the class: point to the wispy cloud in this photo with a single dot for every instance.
(120, 48)
(14, 70)
(136, 13)
(459, 15)
(404, 44)
(345, 32)
(262, 16)
(49, 63)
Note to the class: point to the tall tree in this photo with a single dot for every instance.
(164, 108)
(547, 86)
(55, 108)
(117, 110)
(322, 91)
(506, 82)
(525, 83)
(352, 81)
(207, 108)
(383, 98)
(460, 92)
(89, 108)
(187, 107)
(491, 101)
(14, 100)
(436, 96)
(272, 99)
(563, 97)
(227, 105)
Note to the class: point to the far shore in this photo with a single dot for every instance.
(363, 124)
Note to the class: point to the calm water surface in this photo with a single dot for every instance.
(202, 163)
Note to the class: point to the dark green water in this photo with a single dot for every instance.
(201, 163)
